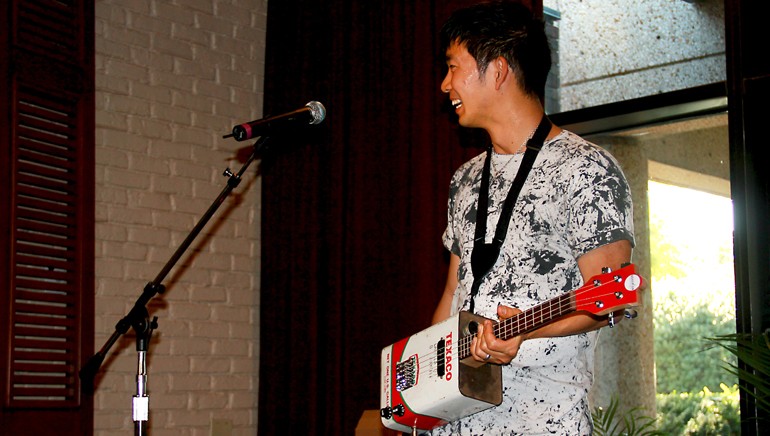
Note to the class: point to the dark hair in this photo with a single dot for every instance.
(507, 29)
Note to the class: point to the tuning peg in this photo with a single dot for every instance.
(630, 313)
(606, 270)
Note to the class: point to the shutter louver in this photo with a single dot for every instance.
(46, 215)
(45, 27)
(44, 282)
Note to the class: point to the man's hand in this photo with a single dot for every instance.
(486, 347)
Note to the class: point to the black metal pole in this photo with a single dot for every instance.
(138, 317)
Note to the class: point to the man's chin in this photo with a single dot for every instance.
(465, 122)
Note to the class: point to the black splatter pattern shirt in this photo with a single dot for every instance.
(575, 199)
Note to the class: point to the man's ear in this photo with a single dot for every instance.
(502, 71)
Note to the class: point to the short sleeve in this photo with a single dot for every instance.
(450, 236)
(599, 209)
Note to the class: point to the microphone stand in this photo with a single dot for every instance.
(139, 319)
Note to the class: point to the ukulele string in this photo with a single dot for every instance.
(518, 323)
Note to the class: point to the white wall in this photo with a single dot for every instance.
(171, 78)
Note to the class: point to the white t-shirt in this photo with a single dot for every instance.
(575, 199)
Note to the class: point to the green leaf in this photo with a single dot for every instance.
(754, 352)
(634, 423)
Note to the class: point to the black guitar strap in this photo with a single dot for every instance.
(485, 255)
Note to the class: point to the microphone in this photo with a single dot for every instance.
(312, 113)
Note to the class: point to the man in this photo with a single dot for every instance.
(571, 219)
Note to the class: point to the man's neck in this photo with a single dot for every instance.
(515, 126)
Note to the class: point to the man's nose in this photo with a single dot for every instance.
(446, 84)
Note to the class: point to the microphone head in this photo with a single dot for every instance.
(317, 111)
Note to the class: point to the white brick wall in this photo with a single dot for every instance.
(171, 79)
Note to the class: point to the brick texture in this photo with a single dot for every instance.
(171, 80)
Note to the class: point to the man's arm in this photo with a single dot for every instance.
(612, 255)
(445, 304)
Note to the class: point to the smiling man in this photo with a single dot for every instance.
(571, 217)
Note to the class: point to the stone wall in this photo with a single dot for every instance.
(615, 50)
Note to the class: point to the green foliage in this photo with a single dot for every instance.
(694, 397)
(685, 362)
(703, 413)
(667, 258)
(693, 292)
(754, 351)
(632, 423)
(700, 413)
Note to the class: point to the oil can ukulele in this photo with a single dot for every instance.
(429, 378)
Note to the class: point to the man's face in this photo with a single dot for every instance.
(469, 90)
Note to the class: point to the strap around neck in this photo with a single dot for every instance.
(485, 255)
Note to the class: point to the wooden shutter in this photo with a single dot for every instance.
(46, 269)
(44, 281)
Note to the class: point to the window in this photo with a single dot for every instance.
(674, 151)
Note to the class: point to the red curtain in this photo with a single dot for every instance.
(352, 210)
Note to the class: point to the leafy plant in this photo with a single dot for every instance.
(631, 423)
(684, 361)
(699, 413)
(754, 351)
